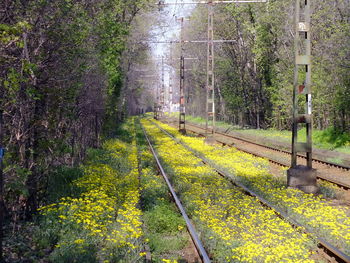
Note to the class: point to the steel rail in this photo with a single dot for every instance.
(340, 166)
(334, 181)
(200, 248)
(341, 256)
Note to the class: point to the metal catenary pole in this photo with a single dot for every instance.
(182, 115)
(162, 92)
(210, 103)
(156, 104)
(182, 106)
(170, 99)
(161, 97)
(210, 90)
(302, 87)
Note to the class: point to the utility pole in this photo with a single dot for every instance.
(155, 111)
(210, 103)
(302, 60)
(162, 91)
(299, 176)
(160, 105)
(156, 104)
(182, 106)
(210, 89)
(182, 116)
(170, 81)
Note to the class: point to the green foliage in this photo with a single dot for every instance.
(153, 196)
(332, 138)
(11, 84)
(162, 219)
(60, 78)
(16, 184)
(11, 33)
(60, 183)
(254, 74)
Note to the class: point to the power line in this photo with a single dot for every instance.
(210, 103)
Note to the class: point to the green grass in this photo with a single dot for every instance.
(199, 120)
(167, 244)
(335, 160)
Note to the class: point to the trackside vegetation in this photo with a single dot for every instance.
(79, 80)
(116, 209)
(234, 227)
(104, 222)
(164, 228)
(329, 139)
(315, 212)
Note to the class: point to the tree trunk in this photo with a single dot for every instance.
(2, 205)
(96, 131)
(31, 183)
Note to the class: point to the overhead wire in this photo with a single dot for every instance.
(169, 23)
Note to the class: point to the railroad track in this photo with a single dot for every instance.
(344, 169)
(328, 248)
(195, 237)
(315, 160)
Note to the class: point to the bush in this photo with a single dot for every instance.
(333, 137)
(60, 183)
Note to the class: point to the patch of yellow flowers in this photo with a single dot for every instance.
(329, 222)
(234, 227)
(106, 215)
